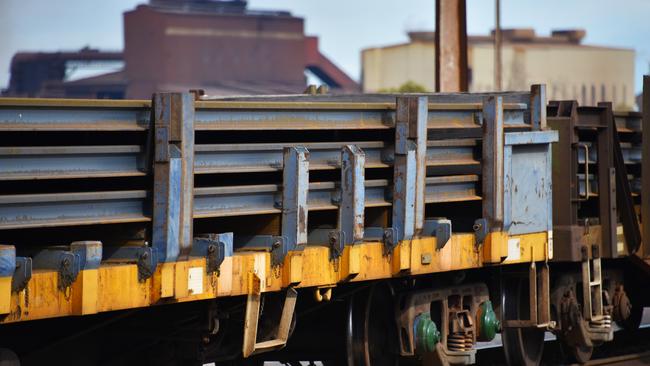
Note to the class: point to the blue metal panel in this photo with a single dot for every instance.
(527, 188)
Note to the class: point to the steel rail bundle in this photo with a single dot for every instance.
(110, 205)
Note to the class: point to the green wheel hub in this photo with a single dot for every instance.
(426, 334)
(488, 324)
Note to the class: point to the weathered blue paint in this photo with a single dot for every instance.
(527, 181)
(295, 186)
(7, 260)
(89, 253)
(352, 205)
(173, 168)
(409, 176)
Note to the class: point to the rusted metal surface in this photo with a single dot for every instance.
(624, 200)
(497, 46)
(295, 186)
(586, 136)
(351, 210)
(492, 163)
(451, 46)
(409, 167)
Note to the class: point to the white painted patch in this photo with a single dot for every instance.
(550, 244)
(514, 252)
(195, 280)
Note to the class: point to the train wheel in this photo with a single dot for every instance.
(627, 313)
(577, 354)
(371, 329)
(522, 346)
(8, 358)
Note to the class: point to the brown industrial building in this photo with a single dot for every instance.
(221, 47)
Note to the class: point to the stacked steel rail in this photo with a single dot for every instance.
(111, 205)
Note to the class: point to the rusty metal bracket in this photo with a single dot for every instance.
(68, 261)
(22, 274)
(215, 248)
(481, 230)
(538, 300)
(440, 228)
(145, 257)
(275, 244)
(282, 327)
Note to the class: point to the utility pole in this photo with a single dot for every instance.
(451, 46)
(497, 46)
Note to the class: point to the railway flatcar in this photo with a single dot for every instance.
(429, 217)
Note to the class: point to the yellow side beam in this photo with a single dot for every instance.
(116, 286)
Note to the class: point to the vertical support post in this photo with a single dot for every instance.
(607, 184)
(351, 210)
(295, 187)
(418, 114)
(497, 46)
(624, 200)
(492, 163)
(645, 167)
(410, 166)
(537, 107)
(173, 200)
(451, 46)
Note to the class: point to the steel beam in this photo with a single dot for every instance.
(492, 163)
(409, 167)
(537, 107)
(351, 209)
(173, 199)
(295, 186)
(451, 46)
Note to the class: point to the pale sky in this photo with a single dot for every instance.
(343, 26)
